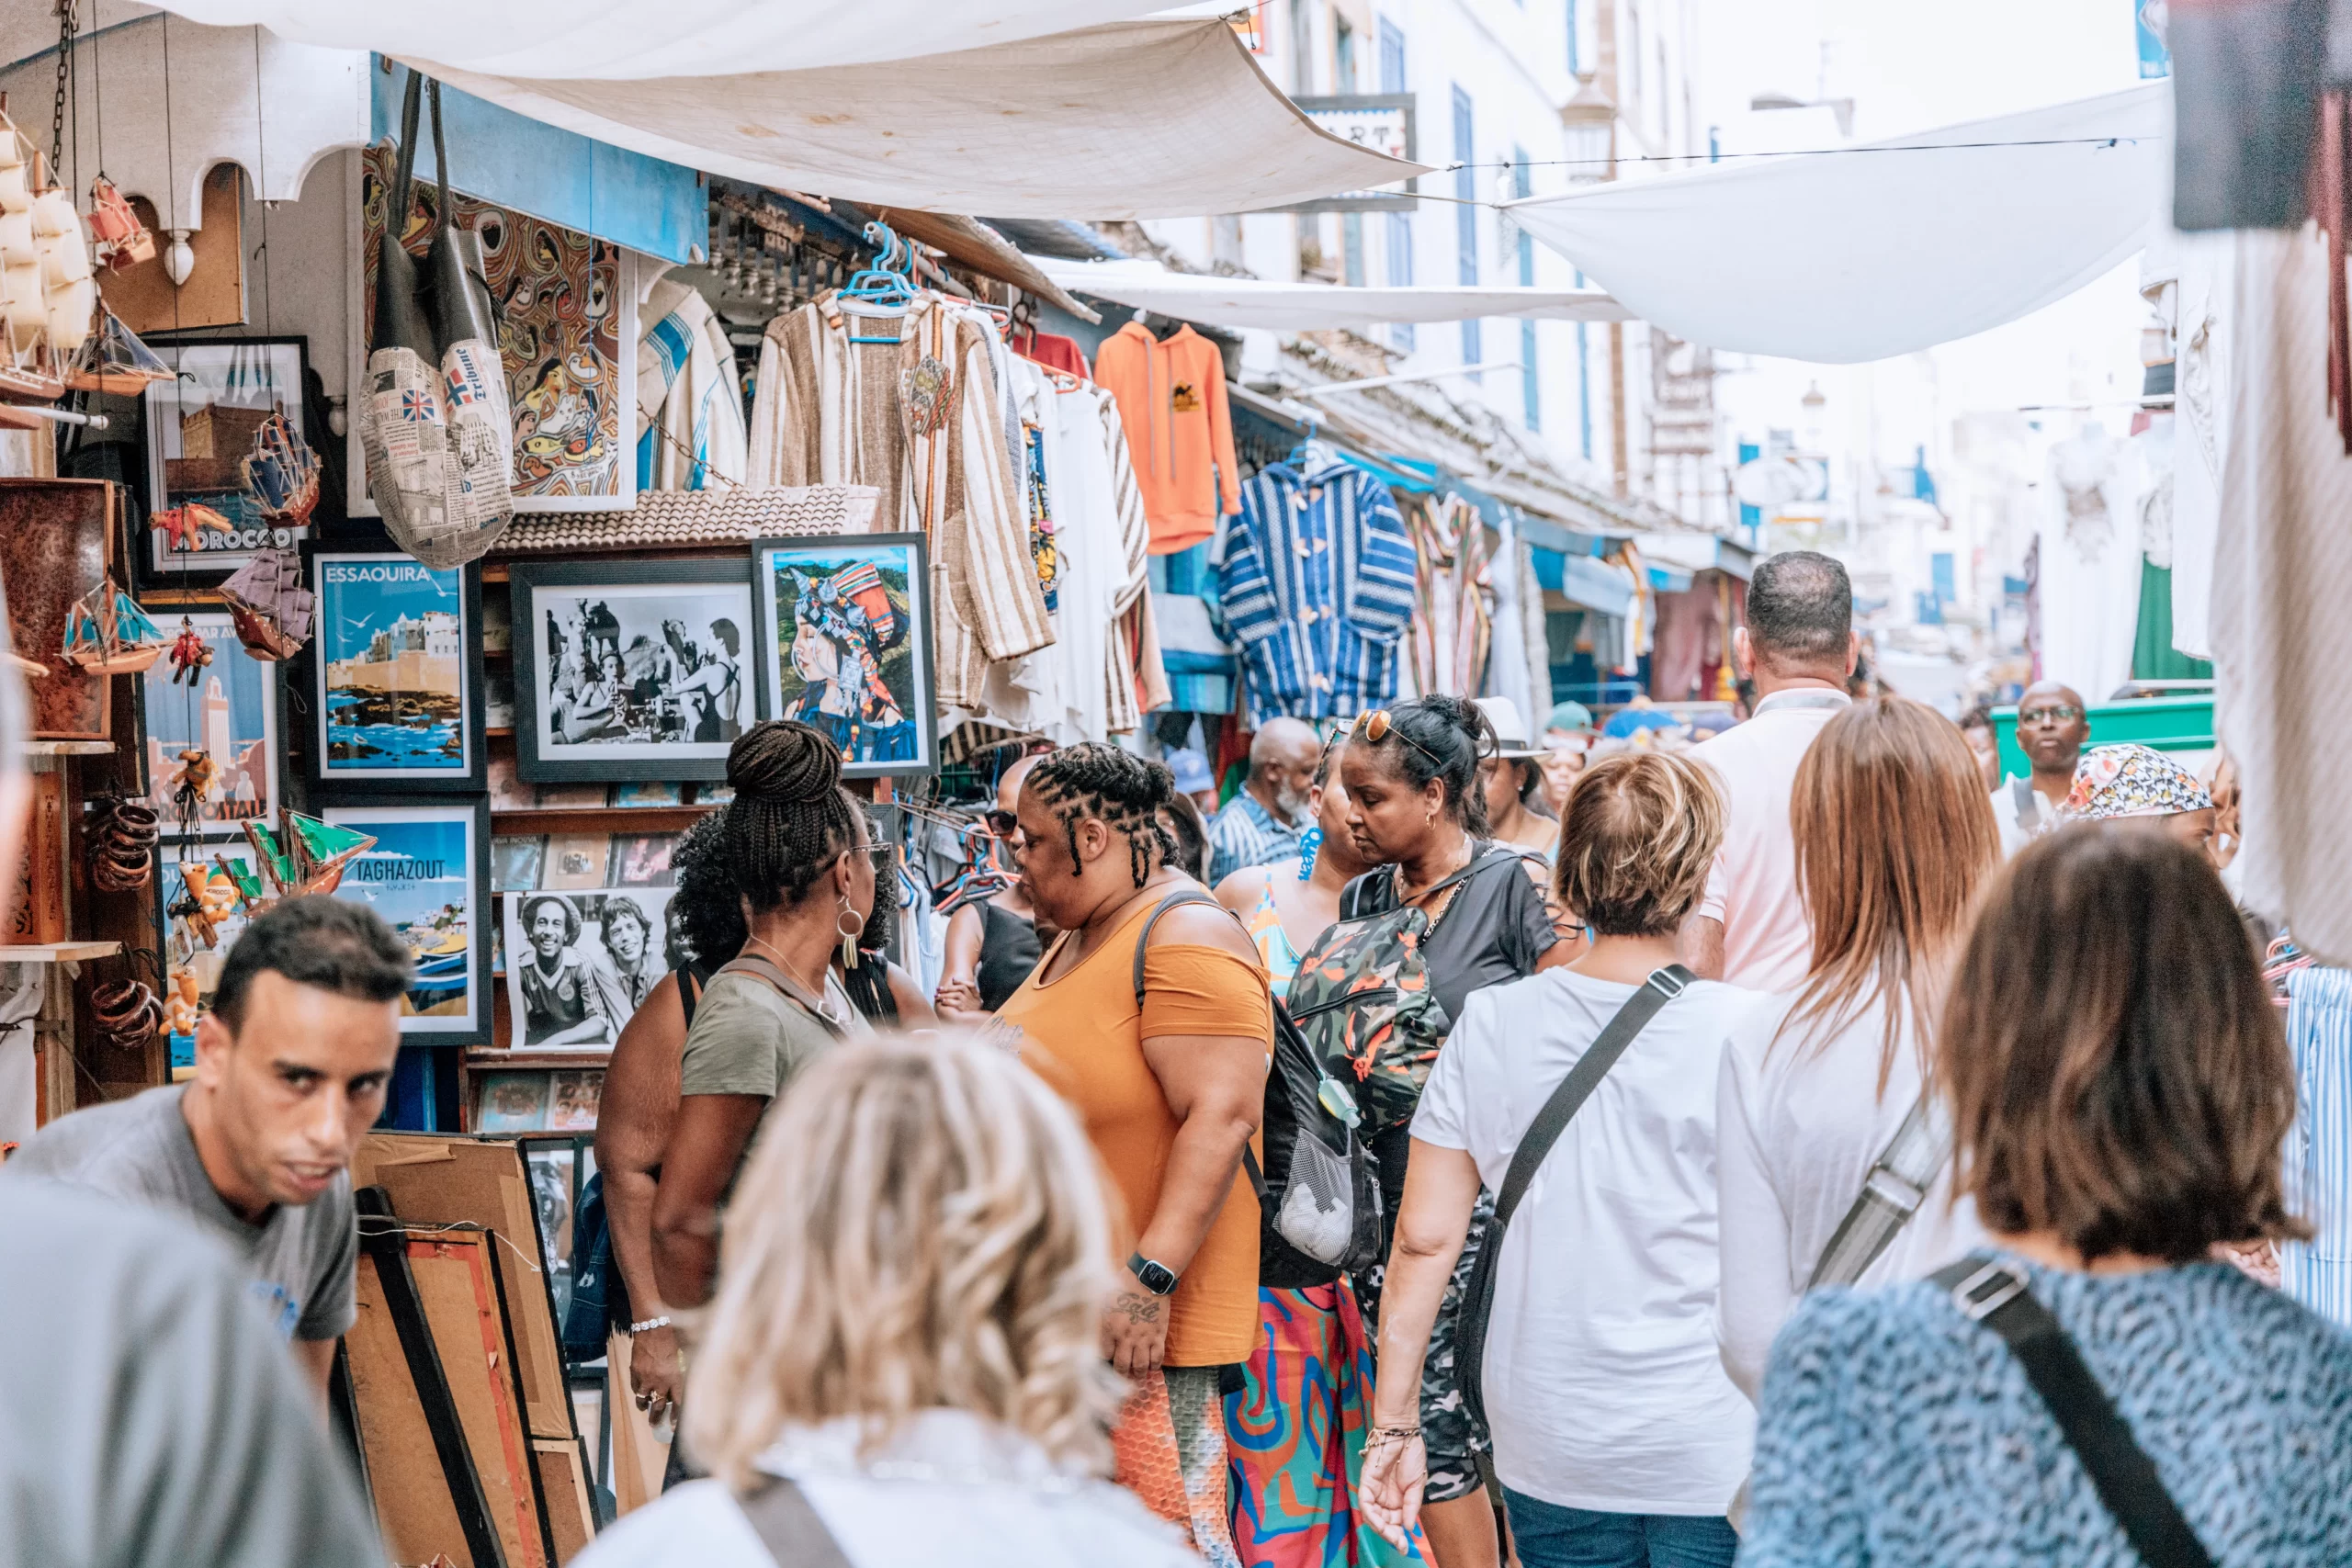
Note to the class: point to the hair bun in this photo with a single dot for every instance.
(1160, 783)
(783, 760)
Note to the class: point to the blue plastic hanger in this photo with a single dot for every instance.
(885, 284)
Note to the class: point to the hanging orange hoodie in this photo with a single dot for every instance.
(1171, 400)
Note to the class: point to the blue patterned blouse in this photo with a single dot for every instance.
(1895, 1431)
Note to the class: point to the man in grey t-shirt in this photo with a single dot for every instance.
(292, 1066)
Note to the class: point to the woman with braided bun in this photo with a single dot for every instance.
(1150, 1015)
(797, 842)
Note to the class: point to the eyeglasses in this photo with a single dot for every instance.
(1000, 822)
(2060, 714)
(1377, 724)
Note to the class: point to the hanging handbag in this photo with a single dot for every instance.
(436, 426)
(1998, 1295)
(1535, 1147)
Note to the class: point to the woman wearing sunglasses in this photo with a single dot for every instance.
(1417, 814)
(992, 943)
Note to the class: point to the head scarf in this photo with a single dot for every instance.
(2132, 781)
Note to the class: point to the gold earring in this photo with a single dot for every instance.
(848, 933)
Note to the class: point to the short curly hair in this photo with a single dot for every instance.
(1118, 788)
(707, 907)
(1636, 841)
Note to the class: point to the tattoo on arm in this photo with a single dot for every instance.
(1137, 1309)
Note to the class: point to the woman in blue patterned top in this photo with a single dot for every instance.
(2120, 1088)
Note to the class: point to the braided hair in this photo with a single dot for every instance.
(790, 820)
(707, 905)
(1118, 788)
(1445, 739)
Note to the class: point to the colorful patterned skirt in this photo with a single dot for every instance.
(1296, 1434)
(1168, 1449)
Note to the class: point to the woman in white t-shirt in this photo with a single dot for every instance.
(1894, 839)
(1617, 1437)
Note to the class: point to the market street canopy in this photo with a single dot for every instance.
(1312, 307)
(1882, 248)
(634, 40)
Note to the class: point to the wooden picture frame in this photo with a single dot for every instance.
(859, 584)
(400, 718)
(402, 877)
(664, 674)
(246, 377)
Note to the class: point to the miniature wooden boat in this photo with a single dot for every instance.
(304, 856)
(267, 603)
(114, 361)
(49, 300)
(108, 634)
(282, 473)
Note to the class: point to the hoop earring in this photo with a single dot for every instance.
(1308, 843)
(849, 938)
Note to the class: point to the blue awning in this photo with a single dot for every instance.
(1583, 580)
(512, 161)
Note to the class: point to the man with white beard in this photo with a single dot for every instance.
(1259, 824)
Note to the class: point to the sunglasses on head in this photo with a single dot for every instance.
(1377, 724)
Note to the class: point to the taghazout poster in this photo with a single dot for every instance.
(420, 879)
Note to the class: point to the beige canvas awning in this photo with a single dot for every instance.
(1314, 307)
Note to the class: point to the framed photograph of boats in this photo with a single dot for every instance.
(228, 714)
(230, 464)
(395, 674)
(427, 875)
(630, 670)
(845, 645)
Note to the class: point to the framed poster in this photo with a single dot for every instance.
(567, 305)
(845, 645)
(579, 964)
(396, 676)
(230, 713)
(428, 876)
(629, 669)
(199, 917)
(200, 430)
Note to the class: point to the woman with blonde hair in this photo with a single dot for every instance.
(1894, 839)
(902, 1365)
(1617, 1438)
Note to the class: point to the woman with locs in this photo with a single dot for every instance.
(1416, 811)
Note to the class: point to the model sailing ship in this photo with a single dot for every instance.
(108, 634)
(48, 297)
(268, 605)
(303, 857)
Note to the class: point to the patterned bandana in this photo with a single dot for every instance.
(2132, 781)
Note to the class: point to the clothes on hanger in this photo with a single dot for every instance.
(1051, 350)
(1317, 585)
(1172, 403)
(923, 418)
(2318, 1272)
(1452, 625)
(2090, 562)
(690, 432)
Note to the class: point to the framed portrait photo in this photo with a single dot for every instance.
(201, 429)
(230, 713)
(578, 964)
(845, 645)
(428, 876)
(396, 675)
(630, 670)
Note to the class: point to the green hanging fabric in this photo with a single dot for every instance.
(2154, 657)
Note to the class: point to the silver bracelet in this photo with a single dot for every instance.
(649, 1325)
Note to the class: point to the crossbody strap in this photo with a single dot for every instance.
(788, 1525)
(1535, 1146)
(1897, 1184)
(1997, 1294)
(2028, 804)
(1177, 900)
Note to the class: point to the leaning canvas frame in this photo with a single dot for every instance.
(918, 697)
(371, 813)
(538, 761)
(622, 299)
(337, 783)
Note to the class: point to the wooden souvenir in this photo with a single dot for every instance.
(56, 545)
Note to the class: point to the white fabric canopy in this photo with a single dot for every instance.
(1136, 119)
(1313, 306)
(634, 39)
(1865, 253)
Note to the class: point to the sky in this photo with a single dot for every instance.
(359, 598)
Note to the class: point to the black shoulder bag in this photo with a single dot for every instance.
(1998, 1295)
(1535, 1147)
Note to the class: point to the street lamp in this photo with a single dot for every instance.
(1589, 122)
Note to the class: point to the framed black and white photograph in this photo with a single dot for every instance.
(630, 670)
(395, 674)
(201, 428)
(427, 875)
(845, 645)
(579, 964)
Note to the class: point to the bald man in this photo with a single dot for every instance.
(1259, 825)
(2053, 723)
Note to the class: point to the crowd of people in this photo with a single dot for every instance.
(1810, 1146)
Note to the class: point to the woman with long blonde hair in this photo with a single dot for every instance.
(1894, 839)
(904, 1352)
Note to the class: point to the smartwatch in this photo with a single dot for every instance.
(1156, 1278)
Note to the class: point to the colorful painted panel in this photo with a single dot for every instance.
(229, 711)
(391, 656)
(422, 878)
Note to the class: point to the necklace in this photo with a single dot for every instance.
(785, 964)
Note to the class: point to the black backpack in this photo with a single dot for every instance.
(1318, 1190)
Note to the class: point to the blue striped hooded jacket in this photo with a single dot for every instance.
(1316, 586)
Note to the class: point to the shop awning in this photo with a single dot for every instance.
(1313, 306)
(636, 39)
(1136, 120)
(1882, 248)
(1586, 580)
(1688, 553)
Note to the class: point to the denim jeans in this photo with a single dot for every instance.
(1549, 1536)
